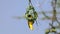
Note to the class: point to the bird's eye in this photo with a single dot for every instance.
(29, 15)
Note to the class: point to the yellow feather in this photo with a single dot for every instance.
(31, 25)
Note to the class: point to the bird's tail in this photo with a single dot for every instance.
(30, 24)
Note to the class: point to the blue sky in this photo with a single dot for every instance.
(10, 8)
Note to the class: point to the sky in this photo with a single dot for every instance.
(10, 8)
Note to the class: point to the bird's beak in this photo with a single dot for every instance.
(30, 24)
